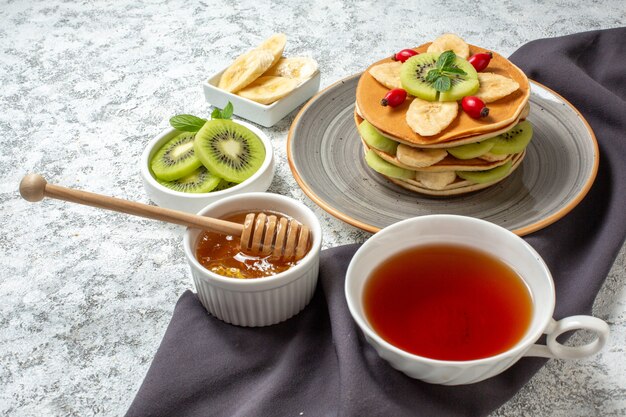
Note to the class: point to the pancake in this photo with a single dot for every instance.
(503, 113)
(459, 186)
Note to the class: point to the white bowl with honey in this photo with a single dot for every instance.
(252, 290)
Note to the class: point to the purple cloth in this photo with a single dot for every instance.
(318, 363)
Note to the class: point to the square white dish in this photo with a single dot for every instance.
(263, 114)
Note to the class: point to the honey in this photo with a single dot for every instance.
(220, 253)
(448, 302)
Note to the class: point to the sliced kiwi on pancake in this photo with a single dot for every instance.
(471, 150)
(199, 181)
(176, 158)
(375, 139)
(229, 150)
(413, 78)
(514, 140)
(490, 175)
(383, 167)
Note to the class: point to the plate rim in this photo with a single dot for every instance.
(533, 227)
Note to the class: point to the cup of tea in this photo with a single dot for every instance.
(455, 300)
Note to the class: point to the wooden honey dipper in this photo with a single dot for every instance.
(261, 234)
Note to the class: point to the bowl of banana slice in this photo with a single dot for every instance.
(263, 85)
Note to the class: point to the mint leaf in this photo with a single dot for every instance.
(226, 113)
(453, 71)
(442, 83)
(432, 75)
(445, 60)
(187, 122)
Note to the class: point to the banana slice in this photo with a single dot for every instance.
(419, 158)
(388, 74)
(435, 180)
(447, 42)
(299, 68)
(494, 86)
(492, 157)
(275, 44)
(246, 68)
(267, 89)
(427, 118)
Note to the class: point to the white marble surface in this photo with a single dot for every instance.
(85, 295)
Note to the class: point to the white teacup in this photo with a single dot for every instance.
(500, 243)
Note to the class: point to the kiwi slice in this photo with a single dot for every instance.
(229, 150)
(471, 150)
(383, 167)
(413, 78)
(376, 140)
(224, 185)
(490, 175)
(199, 181)
(514, 140)
(176, 158)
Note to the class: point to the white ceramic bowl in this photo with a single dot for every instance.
(498, 242)
(264, 114)
(261, 301)
(192, 202)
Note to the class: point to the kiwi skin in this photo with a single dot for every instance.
(229, 150)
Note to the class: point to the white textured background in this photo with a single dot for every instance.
(85, 295)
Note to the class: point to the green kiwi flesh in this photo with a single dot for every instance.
(514, 140)
(176, 158)
(471, 150)
(224, 185)
(413, 78)
(490, 175)
(229, 150)
(383, 167)
(199, 181)
(375, 139)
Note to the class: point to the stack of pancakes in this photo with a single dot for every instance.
(504, 114)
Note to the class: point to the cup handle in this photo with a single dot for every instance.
(555, 350)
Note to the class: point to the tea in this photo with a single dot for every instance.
(447, 302)
(221, 254)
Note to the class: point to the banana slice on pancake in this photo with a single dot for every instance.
(494, 86)
(450, 42)
(492, 157)
(267, 89)
(435, 180)
(300, 68)
(246, 68)
(419, 158)
(388, 74)
(276, 45)
(427, 118)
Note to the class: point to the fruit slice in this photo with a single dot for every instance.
(300, 68)
(492, 157)
(514, 140)
(428, 118)
(176, 158)
(388, 74)
(494, 86)
(435, 180)
(419, 158)
(450, 42)
(229, 150)
(383, 167)
(471, 150)
(199, 181)
(268, 89)
(224, 185)
(375, 139)
(275, 44)
(482, 177)
(246, 68)
(413, 78)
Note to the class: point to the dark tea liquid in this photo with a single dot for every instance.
(447, 302)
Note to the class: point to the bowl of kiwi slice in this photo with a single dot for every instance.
(200, 161)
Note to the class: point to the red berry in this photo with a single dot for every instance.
(480, 61)
(394, 98)
(403, 55)
(474, 107)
